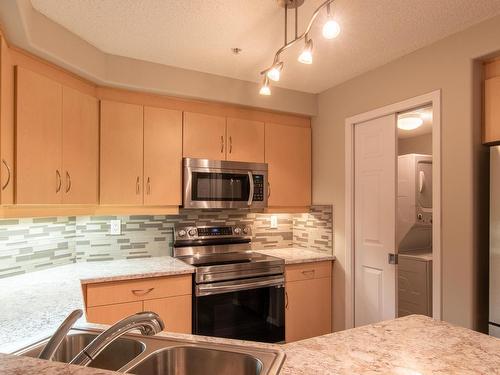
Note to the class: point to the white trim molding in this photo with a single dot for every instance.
(434, 99)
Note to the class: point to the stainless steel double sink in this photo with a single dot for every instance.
(162, 355)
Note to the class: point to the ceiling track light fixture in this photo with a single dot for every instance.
(331, 30)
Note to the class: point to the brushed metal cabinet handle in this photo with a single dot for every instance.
(58, 181)
(148, 186)
(137, 187)
(142, 292)
(268, 189)
(286, 299)
(305, 272)
(230, 144)
(221, 144)
(68, 182)
(8, 175)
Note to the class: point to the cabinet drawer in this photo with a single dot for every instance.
(307, 271)
(110, 314)
(128, 291)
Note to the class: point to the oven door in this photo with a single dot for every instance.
(249, 309)
(209, 187)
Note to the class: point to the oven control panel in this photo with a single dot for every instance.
(226, 231)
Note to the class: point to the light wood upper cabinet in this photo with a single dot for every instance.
(80, 118)
(7, 141)
(288, 154)
(121, 153)
(162, 156)
(39, 139)
(204, 136)
(491, 130)
(308, 300)
(245, 140)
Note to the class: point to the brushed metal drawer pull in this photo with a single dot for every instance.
(8, 175)
(58, 181)
(142, 292)
(68, 182)
(305, 272)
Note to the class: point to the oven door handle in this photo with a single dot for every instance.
(210, 289)
(250, 194)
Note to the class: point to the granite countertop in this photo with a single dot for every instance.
(34, 304)
(297, 255)
(406, 346)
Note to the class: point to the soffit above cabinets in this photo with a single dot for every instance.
(199, 34)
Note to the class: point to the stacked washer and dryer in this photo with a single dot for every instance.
(414, 234)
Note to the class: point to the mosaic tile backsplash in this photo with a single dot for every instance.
(28, 245)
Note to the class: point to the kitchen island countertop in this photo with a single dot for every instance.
(406, 346)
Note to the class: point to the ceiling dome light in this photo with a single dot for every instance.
(274, 73)
(409, 122)
(331, 29)
(265, 89)
(306, 56)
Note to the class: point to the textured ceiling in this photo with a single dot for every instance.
(199, 34)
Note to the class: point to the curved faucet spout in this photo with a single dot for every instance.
(148, 323)
(57, 338)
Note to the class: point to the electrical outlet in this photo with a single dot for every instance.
(115, 227)
(274, 221)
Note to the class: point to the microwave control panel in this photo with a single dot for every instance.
(258, 187)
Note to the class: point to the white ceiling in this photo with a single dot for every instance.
(199, 34)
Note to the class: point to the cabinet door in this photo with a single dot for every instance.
(80, 119)
(175, 312)
(39, 139)
(121, 153)
(308, 310)
(288, 153)
(6, 125)
(110, 314)
(491, 130)
(245, 140)
(162, 156)
(204, 136)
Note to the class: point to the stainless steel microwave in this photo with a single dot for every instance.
(224, 184)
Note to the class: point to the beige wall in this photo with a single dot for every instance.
(447, 65)
(421, 144)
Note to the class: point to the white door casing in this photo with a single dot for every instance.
(374, 219)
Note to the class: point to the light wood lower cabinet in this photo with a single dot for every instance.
(169, 297)
(110, 314)
(308, 300)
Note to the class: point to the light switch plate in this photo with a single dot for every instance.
(115, 227)
(274, 221)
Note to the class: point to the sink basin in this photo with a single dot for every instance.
(155, 355)
(189, 360)
(115, 356)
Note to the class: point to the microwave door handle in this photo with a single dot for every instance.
(250, 194)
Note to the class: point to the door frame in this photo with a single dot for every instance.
(433, 98)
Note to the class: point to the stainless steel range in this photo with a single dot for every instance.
(237, 293)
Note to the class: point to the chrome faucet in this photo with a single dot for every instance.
(148, 323)
(57, 338)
